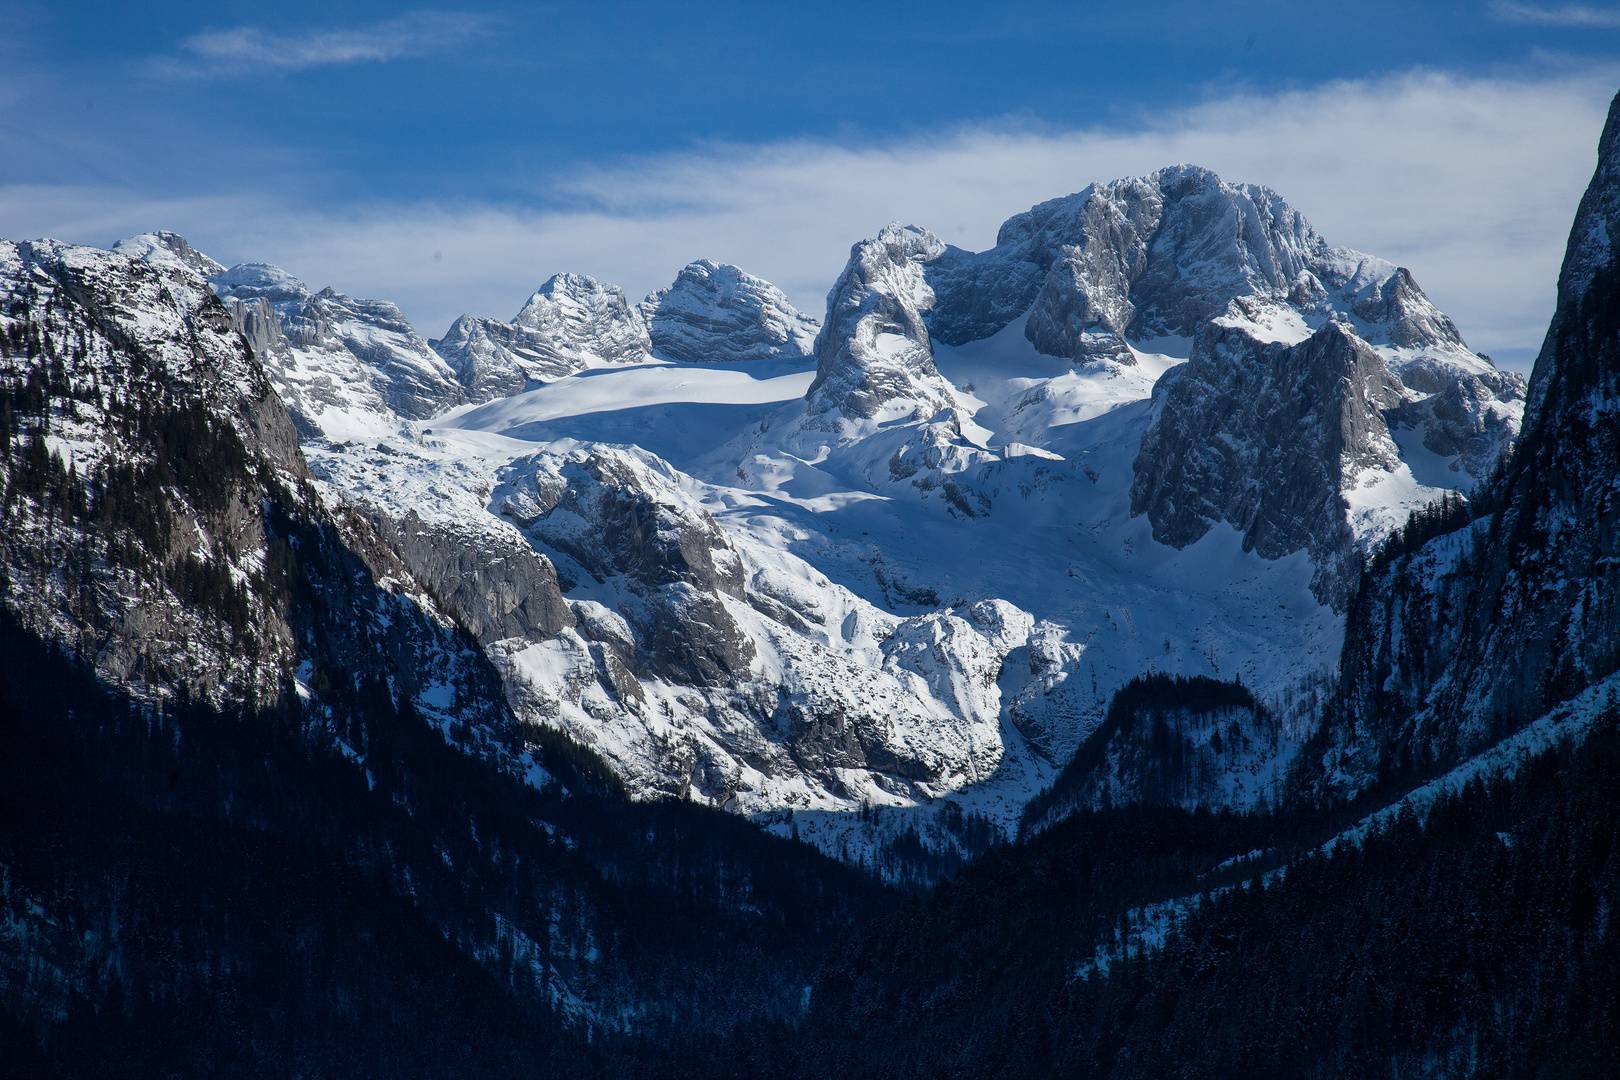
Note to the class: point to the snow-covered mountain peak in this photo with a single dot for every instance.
(571, 323)
(346, 368)
(253, 281)
(874, 360)
(715, 311)
(168, 248)
(590, 318)
(1157, 256)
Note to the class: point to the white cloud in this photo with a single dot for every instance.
(1471, 183)
(249, 48)
(1577, 15)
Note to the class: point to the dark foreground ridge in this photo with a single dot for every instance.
(1478, 942)
(194, 893)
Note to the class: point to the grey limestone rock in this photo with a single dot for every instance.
(493, 359)
(1266, 437)
(502, 590)
(874, 360)
(716, 312)
(602, 509)
(259, 324)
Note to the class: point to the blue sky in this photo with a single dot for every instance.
(353, 143)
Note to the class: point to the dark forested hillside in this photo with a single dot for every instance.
(191, 893)
(1477, 942)
(1165, 740)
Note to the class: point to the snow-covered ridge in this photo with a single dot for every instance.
(574, 323)
(1159, 256)
(345, 368)
(1149, 431)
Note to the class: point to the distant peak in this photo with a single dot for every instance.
(250, 280)
(911, 242)
(720, 312)
(170, 248)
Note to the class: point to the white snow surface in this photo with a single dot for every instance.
(883, 573)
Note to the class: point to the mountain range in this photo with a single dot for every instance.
(664, 672)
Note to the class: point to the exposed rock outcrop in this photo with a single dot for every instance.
(1267, 437)
(604, 510)
(498, 584)
(345, 368)
(570, 323)
(1461, 635)
(716, 312)
(1159, 256)
(874, 362)
(169, 248)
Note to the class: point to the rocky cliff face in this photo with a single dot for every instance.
(716, 312)
(874, 362)
(345, 368)
(1462, 634)
(1158, 256)
(161, 523)
(1267, 437)
(606, 512)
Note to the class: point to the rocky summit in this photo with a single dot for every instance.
(717, 312)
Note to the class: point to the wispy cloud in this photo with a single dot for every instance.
(250, 48)
(1577, 15)
(1471, 183)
